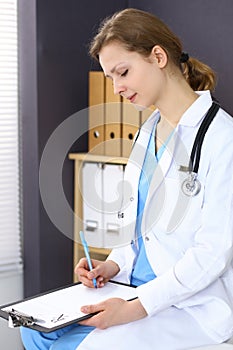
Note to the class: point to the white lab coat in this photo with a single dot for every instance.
(188, 241)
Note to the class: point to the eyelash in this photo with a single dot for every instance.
(125, 73)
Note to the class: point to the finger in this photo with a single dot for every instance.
(100, 282)
(82, 276)
(92, 309)
(95, 321)
(97, 271)
(86, 281)
(82, 264)
(91, 321)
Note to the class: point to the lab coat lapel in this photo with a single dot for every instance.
(162, 167)
(128, 212)
(135, 162)
(157, 184)
(132, 176)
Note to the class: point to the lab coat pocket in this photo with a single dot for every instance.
(179, 217)
(185, 211)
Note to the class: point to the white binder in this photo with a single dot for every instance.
(112, 199)
(92, 192)
(102, 197)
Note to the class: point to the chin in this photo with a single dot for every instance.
(139, 108)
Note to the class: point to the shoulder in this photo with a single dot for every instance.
(225, 117)
(222, 126)
(219, 139)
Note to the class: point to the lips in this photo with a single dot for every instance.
(132, 97)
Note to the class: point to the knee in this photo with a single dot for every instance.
(57, 346)
(27, 336)
(54, 347)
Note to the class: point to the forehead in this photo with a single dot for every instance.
(114, 54)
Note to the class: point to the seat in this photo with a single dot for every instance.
(225, 346)
(215, 347)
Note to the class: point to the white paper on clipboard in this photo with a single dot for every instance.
(61, 307)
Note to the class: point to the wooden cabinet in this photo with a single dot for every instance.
(79, 158)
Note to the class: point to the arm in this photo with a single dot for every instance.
(210, 250)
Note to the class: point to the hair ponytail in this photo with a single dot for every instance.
(198, 75)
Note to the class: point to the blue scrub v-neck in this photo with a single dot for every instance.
(142, 271)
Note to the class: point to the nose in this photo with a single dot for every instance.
(118, 88)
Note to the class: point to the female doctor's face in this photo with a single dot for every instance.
(134, 77)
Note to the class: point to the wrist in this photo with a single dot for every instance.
(136, 310)
(112, 267)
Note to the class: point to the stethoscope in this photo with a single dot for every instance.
(191, 186)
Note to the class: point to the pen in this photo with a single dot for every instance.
(86, 251)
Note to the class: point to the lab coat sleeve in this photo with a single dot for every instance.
(211, 253)
(117, 255)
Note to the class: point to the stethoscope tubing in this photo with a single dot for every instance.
(196, 149)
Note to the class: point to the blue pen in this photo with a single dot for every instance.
(86, 251)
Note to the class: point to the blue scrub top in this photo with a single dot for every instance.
(142, 271)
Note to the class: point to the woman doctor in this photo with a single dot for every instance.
(180, 254)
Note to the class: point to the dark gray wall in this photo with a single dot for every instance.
(206, 30)
(54, 67)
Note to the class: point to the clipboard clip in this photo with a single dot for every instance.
(17, 319)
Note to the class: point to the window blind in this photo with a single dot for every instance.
(10, 243)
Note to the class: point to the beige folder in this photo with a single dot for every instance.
(112, 121)
(96, 112)
(130, 125)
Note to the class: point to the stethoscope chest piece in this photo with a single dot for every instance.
(191, 186)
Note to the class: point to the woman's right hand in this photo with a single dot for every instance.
(103, 271)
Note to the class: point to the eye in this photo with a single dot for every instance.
(124, 73)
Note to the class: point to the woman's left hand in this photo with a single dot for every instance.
(114, 311)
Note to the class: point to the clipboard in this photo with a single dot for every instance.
(50, 311)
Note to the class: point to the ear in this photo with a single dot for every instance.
(159, 55)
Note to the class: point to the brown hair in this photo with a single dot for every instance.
(140, 31)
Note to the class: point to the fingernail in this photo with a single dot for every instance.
(84, 309)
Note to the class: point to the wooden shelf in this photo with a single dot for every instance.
(88, 157)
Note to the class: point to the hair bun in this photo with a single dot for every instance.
(184, 57)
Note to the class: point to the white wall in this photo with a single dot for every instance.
(11, 290)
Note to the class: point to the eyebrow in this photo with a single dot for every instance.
(113, 69)
(118, 64)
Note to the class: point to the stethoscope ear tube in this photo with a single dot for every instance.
(196, 150)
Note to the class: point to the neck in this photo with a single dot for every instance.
(178, 97)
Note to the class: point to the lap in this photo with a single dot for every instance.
(171, 329)
(67, 337)
(71, 339)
